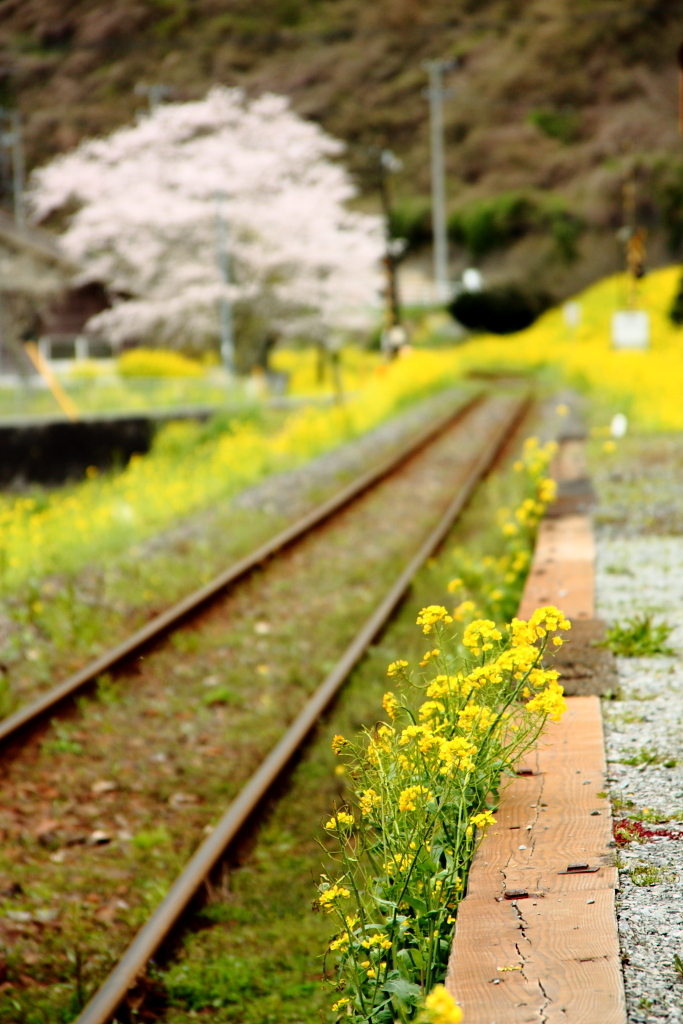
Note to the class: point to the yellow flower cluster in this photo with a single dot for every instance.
(646, 384)
(543, 621)
(396, 668)
(390, 704)
(441, 1007)
(429, 616)
(369, 800)
(328, 897)
(482, 820)
(424, 785)
(338, 744)
(549, 701)
(341, 820)
(480, 635)
(378, 939)
(410, 797)
(187, 471)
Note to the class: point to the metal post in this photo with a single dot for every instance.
(18, 171)
(436, 69)
(388, 163)
(225, 305)
(155, 94)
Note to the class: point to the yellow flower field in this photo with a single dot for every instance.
(66, 529)
(647, 386)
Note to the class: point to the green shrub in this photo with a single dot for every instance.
(564, 125)
(676, 310)
(639, 638)
(501, 310)
(493, 223)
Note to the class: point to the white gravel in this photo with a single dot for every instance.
(644, 723)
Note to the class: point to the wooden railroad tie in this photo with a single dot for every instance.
(536, 935)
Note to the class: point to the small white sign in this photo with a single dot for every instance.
(631, 329)
(572, 314)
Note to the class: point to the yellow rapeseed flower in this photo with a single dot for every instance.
(342, 820)
(441, 1007)
(410, 797)
(329, 897)
(396, 667)
(338, 744)
(390, 704)
(480, 635)
(432, 614)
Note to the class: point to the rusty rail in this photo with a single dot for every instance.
(110, 995)
(160, 624)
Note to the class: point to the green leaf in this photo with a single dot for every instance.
(418, 905)
(405, 991)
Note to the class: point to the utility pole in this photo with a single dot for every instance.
(436, 92)
(390, 164)
(12, 140)
(18, 171)
(225, 305)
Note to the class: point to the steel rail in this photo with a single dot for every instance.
(113, 990)
(157, 626)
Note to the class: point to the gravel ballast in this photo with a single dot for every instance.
(642, 572)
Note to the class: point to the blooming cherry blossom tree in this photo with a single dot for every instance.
(145, 201)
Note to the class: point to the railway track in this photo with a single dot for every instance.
(464, 445)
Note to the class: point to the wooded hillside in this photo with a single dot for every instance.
(556, 103)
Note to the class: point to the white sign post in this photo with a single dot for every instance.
(631, 329)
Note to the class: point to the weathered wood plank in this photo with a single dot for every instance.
(562, 570)
(566, 946)
(559, 943)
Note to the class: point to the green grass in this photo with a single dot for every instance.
(647, 874)
(639, 637)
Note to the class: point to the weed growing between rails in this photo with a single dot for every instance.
(492, 584)
(422, 789)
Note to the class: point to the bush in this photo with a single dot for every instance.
(563, 125)
(493, 223)
(676, 310)
(151, 362)
(668, 193)
(499, 310)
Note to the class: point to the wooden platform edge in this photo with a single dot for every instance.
(550, 954)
